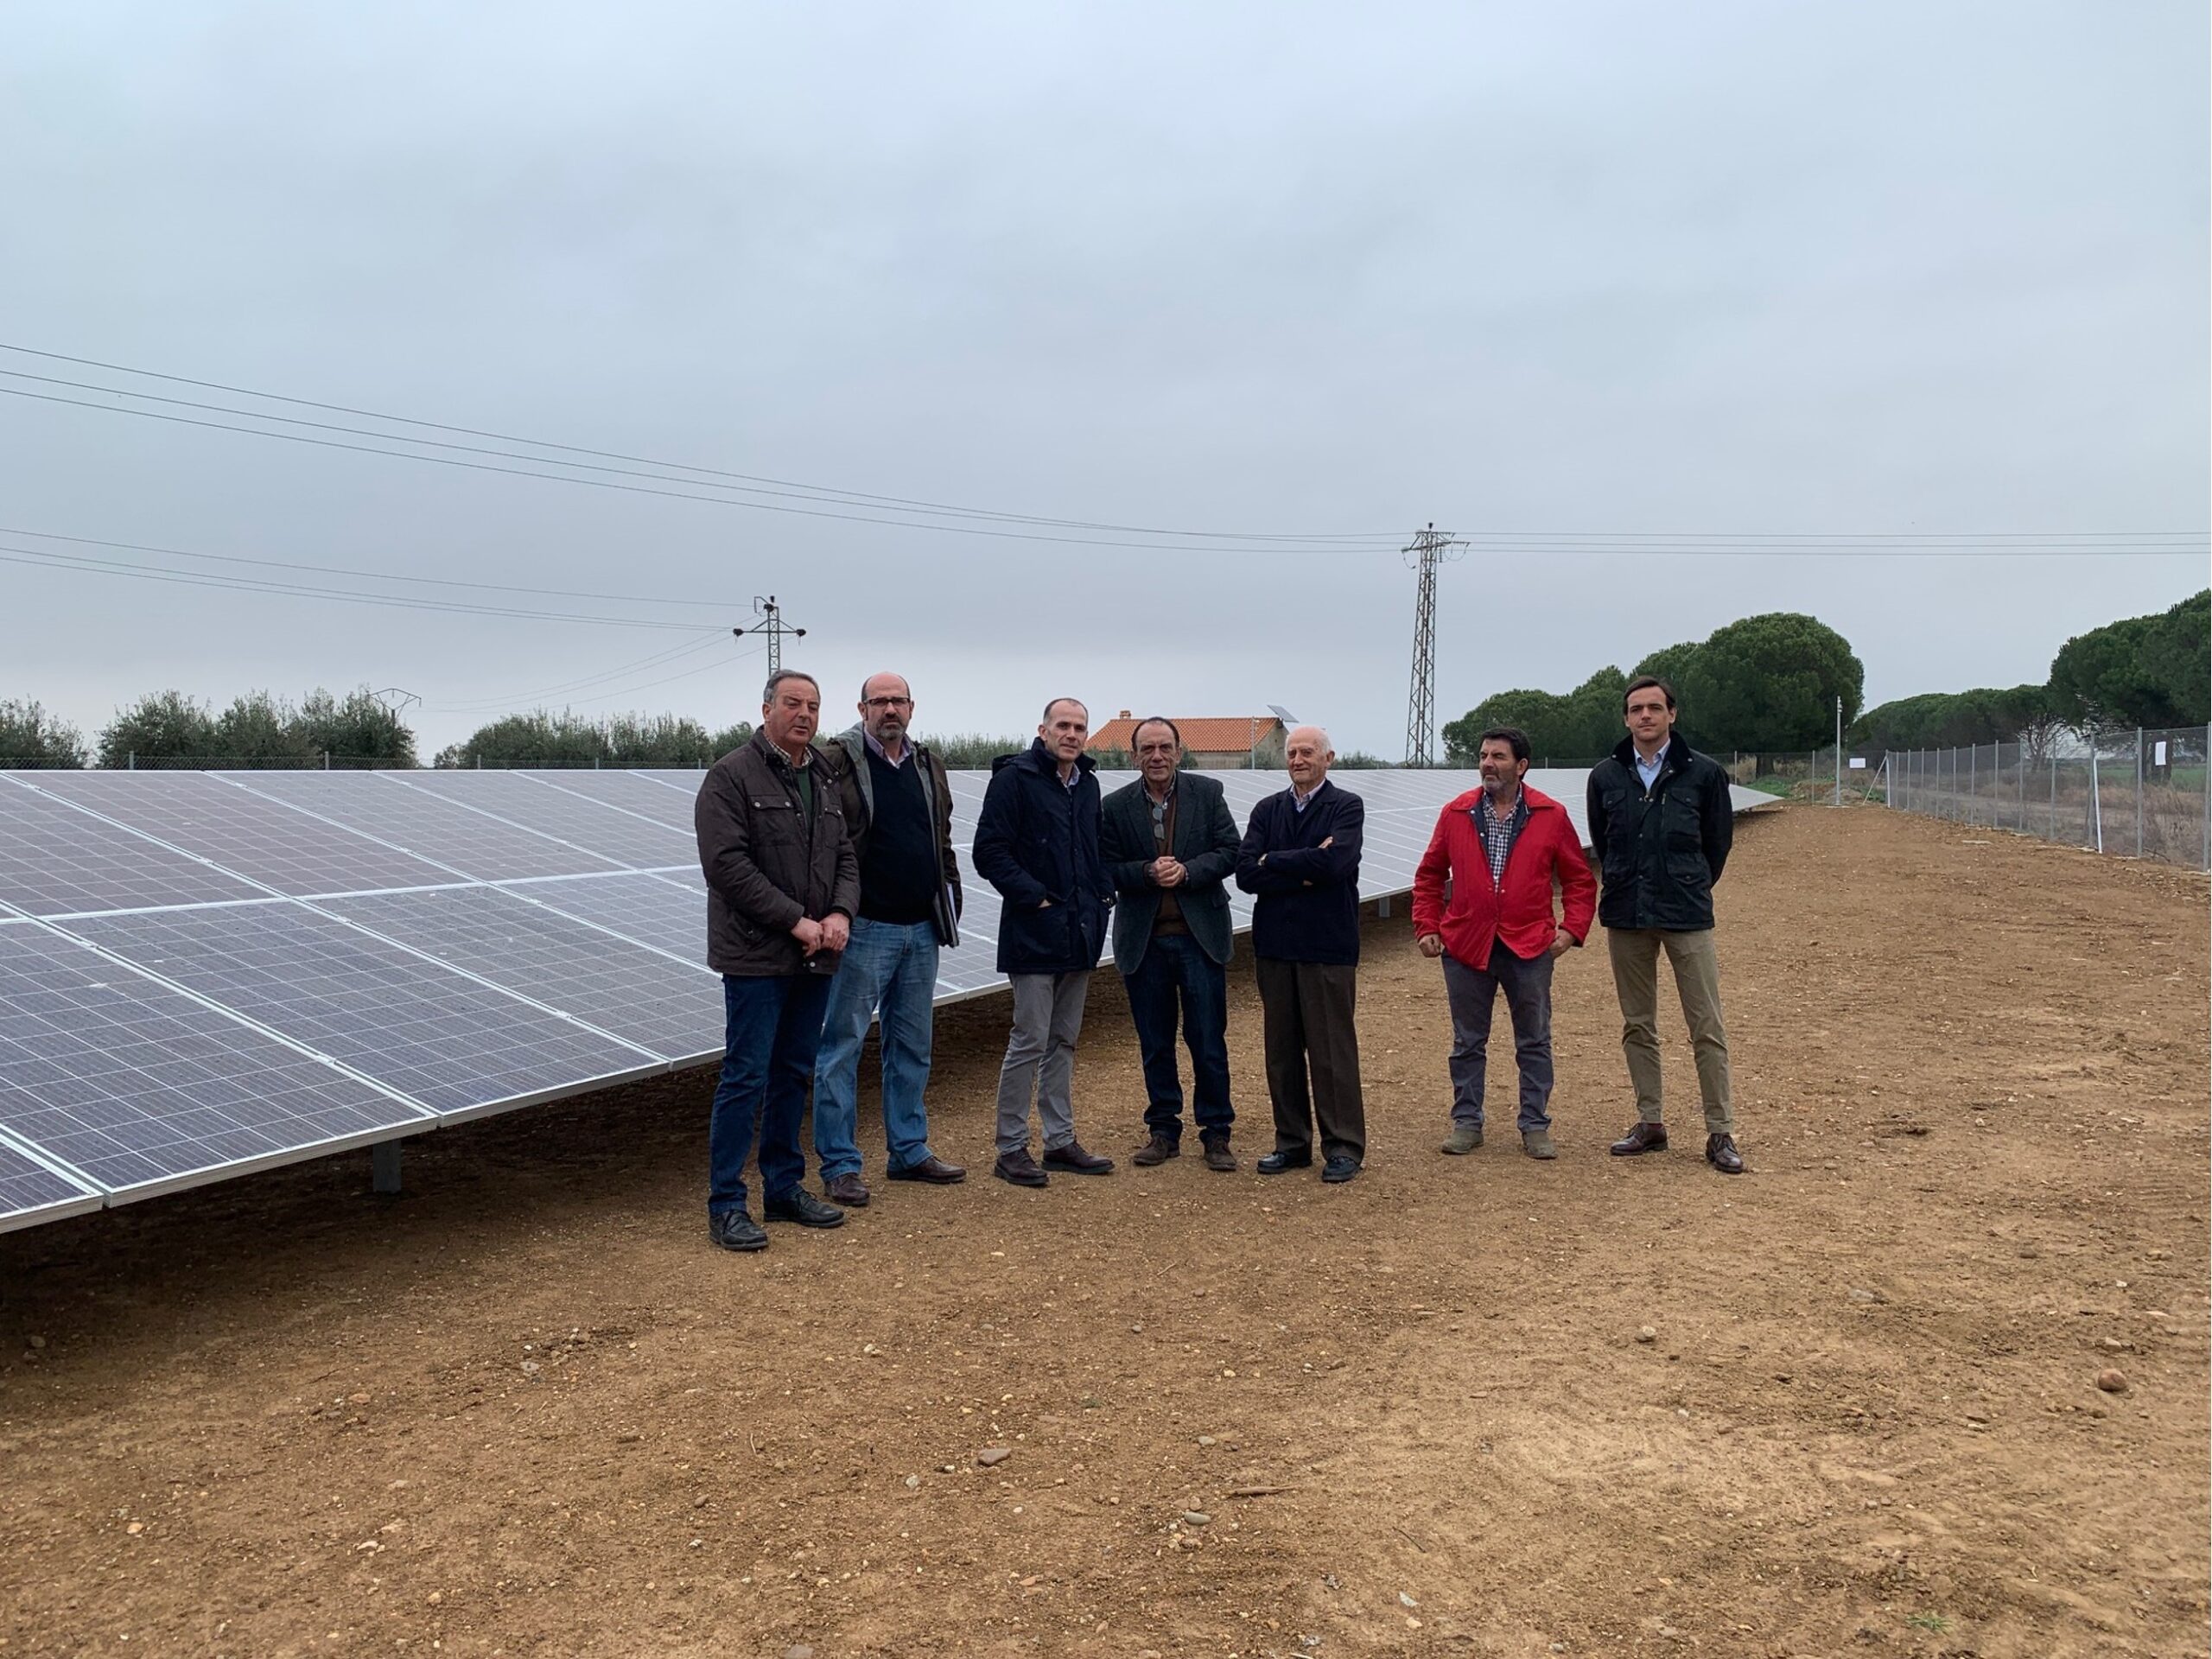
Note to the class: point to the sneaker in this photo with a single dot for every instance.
(1157, 1150)
(1020, 1169)
(1465, 1137)
(1218, 1156)
(1537, 1143)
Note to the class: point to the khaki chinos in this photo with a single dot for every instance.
(1635, 952)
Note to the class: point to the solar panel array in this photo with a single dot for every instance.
(206, 973)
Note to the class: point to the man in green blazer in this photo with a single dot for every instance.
(1170, 847)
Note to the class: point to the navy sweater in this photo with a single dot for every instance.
(1308, 907)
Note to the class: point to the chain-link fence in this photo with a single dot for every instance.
(2143, 794)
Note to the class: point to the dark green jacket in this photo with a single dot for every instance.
(766, 865)
(1659, 853)
(1205, 842)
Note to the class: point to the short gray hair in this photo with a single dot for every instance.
(1047, 716)
(768, 692)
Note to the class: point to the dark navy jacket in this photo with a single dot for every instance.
(1037, 840)
(1308, 908)
(1659, 853)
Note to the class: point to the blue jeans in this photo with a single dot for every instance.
(1173, 969)
(773, 1027)
(891, 967)
(1472, 993)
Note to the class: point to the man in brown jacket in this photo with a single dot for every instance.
(782, 886)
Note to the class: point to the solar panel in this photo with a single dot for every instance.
(666, 798)
(245, 833)
(139, 1088)
(377, 805)
(674, 1008)
(455, 1045)
(614, 832)
(30, 1193)
(55, 858)
(667, 912)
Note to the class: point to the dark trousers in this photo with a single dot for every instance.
(1309, 1009)
(1472, 993)
(772, 1028)
(1174, 969)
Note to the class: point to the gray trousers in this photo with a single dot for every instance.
(1472, 993)
(1040, 1058)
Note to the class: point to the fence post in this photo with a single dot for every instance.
(326, 759)
(130, 761)
(2205, 748)
(2050, 828)
(2096, 800)
(1974, 762)
(2023, 787)
(2139, 791)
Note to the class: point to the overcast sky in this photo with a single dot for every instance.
(1260, 269)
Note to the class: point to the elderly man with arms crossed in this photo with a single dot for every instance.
(782, 885)
(1037, 842)
(1500, 848)
(1170, 845)
(1301, 855)
(897, 805)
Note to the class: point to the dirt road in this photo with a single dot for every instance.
(527, 1409)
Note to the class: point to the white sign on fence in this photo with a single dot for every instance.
(1858, 763)
(2158, 751)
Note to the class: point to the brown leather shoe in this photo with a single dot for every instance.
(847, 1193)
(932, 1169)
(1157, 1150)
(1074, 1159)
(1218, 1156)
(1645, 1137)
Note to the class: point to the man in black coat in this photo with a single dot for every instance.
(1301, 855)
(1037, 842)
(1170, 847)
(1661, 820)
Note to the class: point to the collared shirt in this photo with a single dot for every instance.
(1649, 771)
(877, 749)
(1299, 798)
(1498, 833)
(1163, 815)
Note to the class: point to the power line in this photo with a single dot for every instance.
(370, 575)
(42, 558)
(674, 653)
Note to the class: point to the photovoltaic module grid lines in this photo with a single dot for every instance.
(468, 842)
(133, 1086)
(55, 860)
(562, 815)
(440, 1039)
(243, 832)
(667, 911)
(28, 1189)
(674, 1008)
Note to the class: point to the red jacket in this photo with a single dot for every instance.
(1517, 909)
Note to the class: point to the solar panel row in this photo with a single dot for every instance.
(204, 973)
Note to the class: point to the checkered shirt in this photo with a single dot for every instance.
(1498, 835)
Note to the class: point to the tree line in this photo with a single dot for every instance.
(257, 729)
(1765, 684)
(1769, 684)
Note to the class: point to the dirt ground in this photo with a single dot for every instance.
(526, 1408)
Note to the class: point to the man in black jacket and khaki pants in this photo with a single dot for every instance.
(1661, 820)
(1301, 855)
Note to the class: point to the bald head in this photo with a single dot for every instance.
(887, 711)
(1306, 755)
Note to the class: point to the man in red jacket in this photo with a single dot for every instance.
(1500, 847)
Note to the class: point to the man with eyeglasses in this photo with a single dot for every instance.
(897, 805)
(1170, 847)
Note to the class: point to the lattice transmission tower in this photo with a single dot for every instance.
(1430, 548)
(773, 625)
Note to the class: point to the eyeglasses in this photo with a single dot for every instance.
(889, 702)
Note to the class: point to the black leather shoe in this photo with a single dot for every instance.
(1645, 1137)
(1074, 1159)
(1218, 1156)
(1720, 1152)
(1275, 1163)
(735, 1230)
(803, 1207)
(1157, 1150)
(1339, 1169)
(1020, 1169)
(932, 1169)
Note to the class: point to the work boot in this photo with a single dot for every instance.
(1218, 1155)
(1465, 1137)
(1537, 1143)
(1157, 1150)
